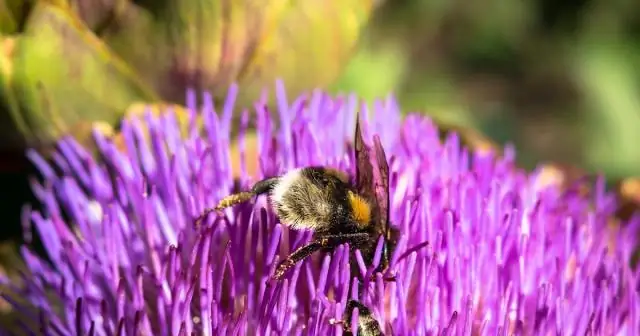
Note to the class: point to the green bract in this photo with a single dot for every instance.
(65, 64)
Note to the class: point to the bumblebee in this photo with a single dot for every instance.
(335, 208)
(367, 324)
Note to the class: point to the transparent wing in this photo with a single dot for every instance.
(373, 183)
(381, 181)
(364, 168)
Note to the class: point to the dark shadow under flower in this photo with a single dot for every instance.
(507, 252)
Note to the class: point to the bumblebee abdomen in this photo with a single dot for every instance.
(309, 198)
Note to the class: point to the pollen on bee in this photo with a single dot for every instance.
(361, 209)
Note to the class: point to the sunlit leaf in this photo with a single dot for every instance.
(307, 45)
(76, 62)
(206, 44)
(608, 75)
(97, 14)
(389, 62)
(64, 78)
(12, 124)
(8, 22)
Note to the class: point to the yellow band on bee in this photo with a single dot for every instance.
(360, 208)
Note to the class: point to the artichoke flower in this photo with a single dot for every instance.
(65, 64)
(510, 251)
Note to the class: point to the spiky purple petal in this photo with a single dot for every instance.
(505, 254)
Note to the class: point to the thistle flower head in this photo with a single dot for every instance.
(508, 251)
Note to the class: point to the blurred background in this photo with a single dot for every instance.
(558, 79)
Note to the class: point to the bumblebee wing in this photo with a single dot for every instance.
(373, 183)
(381, 182)
(364, 168)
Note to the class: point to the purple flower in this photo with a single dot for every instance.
(508, 252)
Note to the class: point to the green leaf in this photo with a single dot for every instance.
(13, 14)
(608, 74)
(207, 44)
(64, 78)
(12, 123)
(307, 44)
(8, 23)
(96, 14)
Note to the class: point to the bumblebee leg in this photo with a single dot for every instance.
(295, 257)
(386, 278)
(348, 310)
(260, 187)
(392, 277)
(346, 318)
(352, 304)
(346, 331)
(367, 324)
(264, 186)
(327, 241)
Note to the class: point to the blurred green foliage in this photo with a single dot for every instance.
(560, 79)
(60, 76)
(67, 63)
